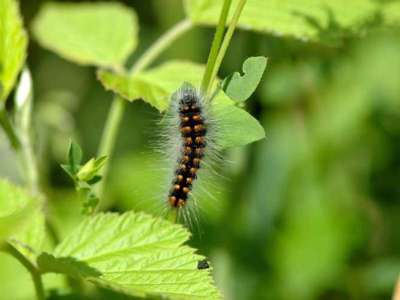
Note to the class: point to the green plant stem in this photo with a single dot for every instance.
(21, 143)
(35, 273)
(9, 130)
(29, 164)
(110, 132)
(219, 34)
(225, 44)
(27, 155)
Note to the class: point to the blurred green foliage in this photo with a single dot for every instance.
(310, 212)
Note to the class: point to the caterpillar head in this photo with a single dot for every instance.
(187, 94)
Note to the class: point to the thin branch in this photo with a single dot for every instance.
(35, 273)
(216, 45)
(225, 44)
(9, 130)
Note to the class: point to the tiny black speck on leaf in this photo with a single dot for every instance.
(202, 264)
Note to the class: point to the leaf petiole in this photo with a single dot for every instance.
(216, 44)
(225, 45)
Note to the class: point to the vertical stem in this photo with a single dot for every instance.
(216, 44)
(29, 164)
(107, 143)
(19, 132)
(22, 147)
(109, 137)
(225, 44)
(36, 276)
(27, 155)
(9, 130)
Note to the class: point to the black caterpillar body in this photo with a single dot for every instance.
(193, 130)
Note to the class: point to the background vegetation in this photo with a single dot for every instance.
(310, 212)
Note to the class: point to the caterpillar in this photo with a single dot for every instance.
(191, 133)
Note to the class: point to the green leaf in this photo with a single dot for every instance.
(134, 254)
(68, 170)
(31, 240)
(235, 126)
(74, 157)
(240, 88)
(134, 88)
(100, 34)
(91, 168)
(22, 221)
(13, 45)
(87, 171)
(16, 208)
(158, 84)
(302, 19)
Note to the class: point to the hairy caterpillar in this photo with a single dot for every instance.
(191, 134)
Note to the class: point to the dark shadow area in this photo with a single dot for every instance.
(66, 265)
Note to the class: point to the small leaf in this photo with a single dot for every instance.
(240, 88)
(16, 208)
(100, 162)
(91, 168)
(13, 46)
(100, 34)
(133, 254)
(87, 171)
(74, 157)
(238, 127)
(68, 170)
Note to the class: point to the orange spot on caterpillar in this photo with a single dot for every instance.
(199, 140)
(172, 200)
(188, 141)
(185, 119)
(186, 129)
(198, 128)
(186, 190)
(196, 118)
